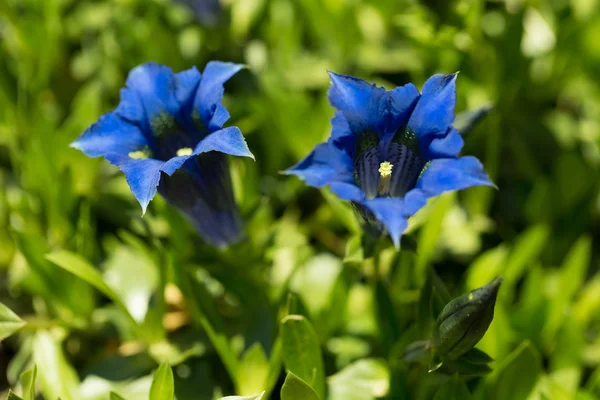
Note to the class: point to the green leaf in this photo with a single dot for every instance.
(12, 396)
(83, 270)
(9, 322)
(365, 379)
(452, 390)
(162, 384)
(114, 396)
(302, 352)
(253, 370)
(528, 247)
(295, 388)
(28, 383)
(132, 277)
(518, 373)
(57, 377)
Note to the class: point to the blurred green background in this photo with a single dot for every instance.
(62, 63)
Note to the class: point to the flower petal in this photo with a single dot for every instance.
(364, 105)
(414, 200)
(228, 140)
(111, 137)
(447, 174)
(326, 164)
(131, 109)
(347, 191)
(143, 176)
(445, 147)
(210, 93)
(390, 212)
(203, 193)
(402, 102)
(187, 85)
(155, 86)
(434, 112)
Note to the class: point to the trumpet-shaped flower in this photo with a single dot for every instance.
(389, 151)
(167, 135)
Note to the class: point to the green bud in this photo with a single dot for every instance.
(463, 321)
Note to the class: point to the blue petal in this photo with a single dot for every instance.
(414, 200)
(143, 176)
(390, 212)
(342, 135)
(228, 140)
(155, 86)
(434, 112)
(203, 193)
(445, 147)
(447, 174)
(326, 164)
(402, 102)
(110, 137)
(131, 109)
(210, 93)
(187, 85)
(364, 105)
(347, 191)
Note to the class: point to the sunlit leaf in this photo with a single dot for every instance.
(9, 322)
(162, 384)
(295, 388)
(301, 352)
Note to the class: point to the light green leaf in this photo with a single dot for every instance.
(57, 377)
(362, 380)
(295, 388)
(82, 269)
(133, 277)
(9, 322)
(253, 370)
(452, 390)
(114, 396)
(28, 383)
(302, 352)
(162, 384)
(251, 397)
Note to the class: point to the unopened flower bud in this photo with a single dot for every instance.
(463, 321)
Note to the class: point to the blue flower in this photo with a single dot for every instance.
(389, 151)
(167, 134)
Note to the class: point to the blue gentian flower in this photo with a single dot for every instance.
(389, 151)
(167, 134)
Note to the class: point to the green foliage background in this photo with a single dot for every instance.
(85, 273)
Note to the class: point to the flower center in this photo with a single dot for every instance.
(144, 152)
(185, 151)
(385, 175)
